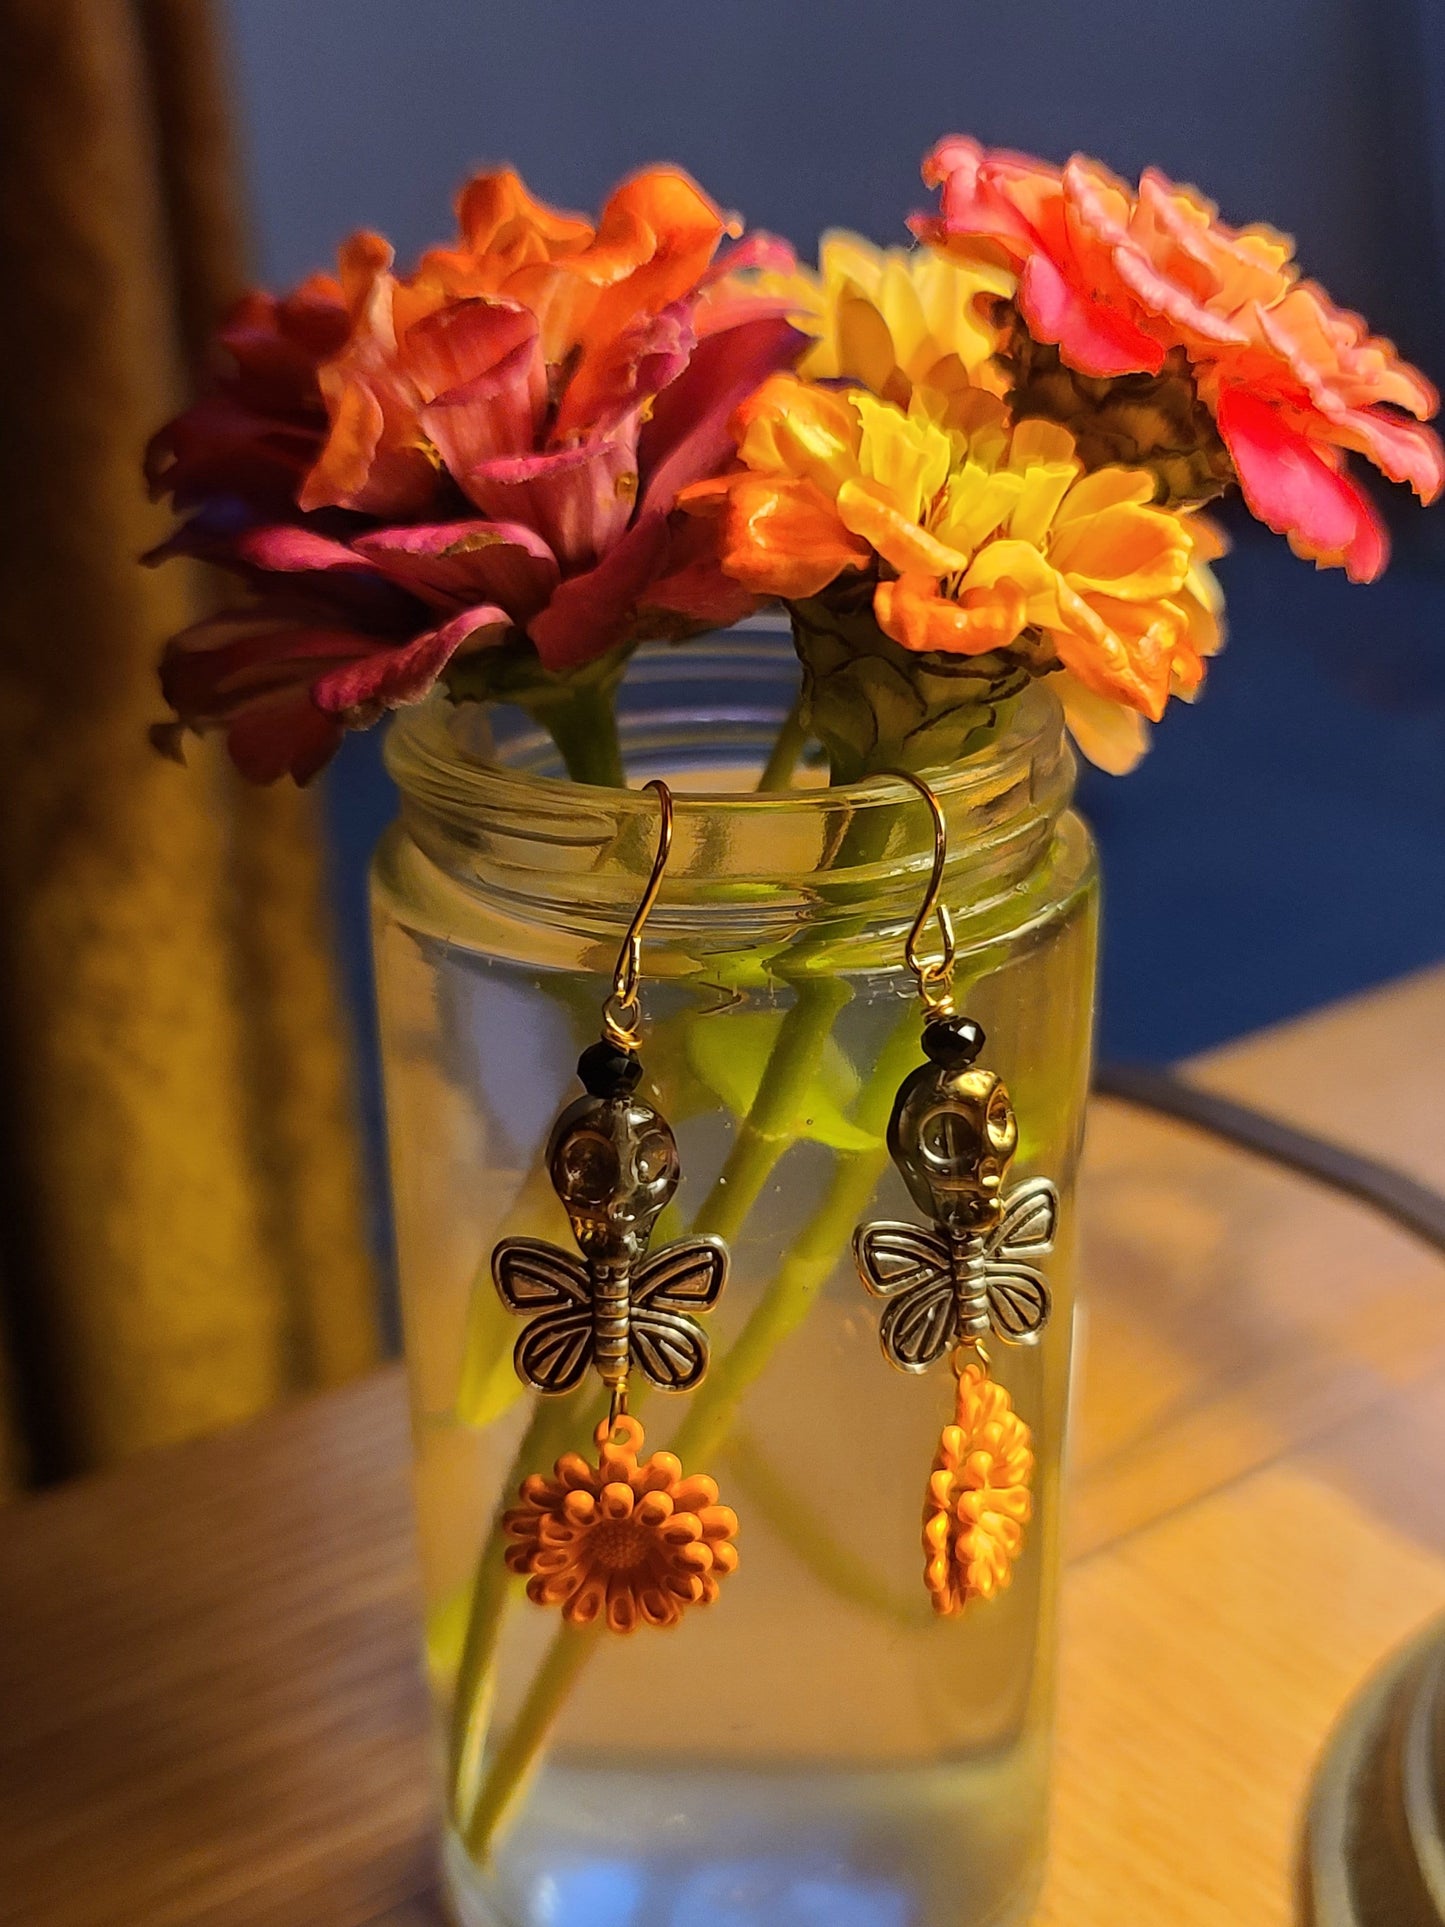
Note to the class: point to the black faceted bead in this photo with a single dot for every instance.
(607, 1070)
(953, 1041)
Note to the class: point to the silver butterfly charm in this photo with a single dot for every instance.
(942, 1289)
(952, 1136)
(613, 1162)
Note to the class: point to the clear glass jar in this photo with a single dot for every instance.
(816, 1746)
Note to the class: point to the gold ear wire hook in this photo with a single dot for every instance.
(934, 975)
(619, 1013)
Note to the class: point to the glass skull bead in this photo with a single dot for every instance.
(613, 1163)
(953, 1131)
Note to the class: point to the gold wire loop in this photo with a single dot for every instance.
(961, 1358)
(934, 975)
(619, 1013)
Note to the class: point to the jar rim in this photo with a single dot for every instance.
(433, 767)
(747, 869)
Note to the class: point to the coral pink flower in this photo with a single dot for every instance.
(1129, 283)
(486, 452)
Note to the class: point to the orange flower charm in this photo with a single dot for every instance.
(978, 1496)
(632, 1543)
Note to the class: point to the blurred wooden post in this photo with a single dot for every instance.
(180, 1230)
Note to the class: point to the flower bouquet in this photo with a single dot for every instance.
(495, 494)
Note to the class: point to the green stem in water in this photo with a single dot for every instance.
(758, 1485)
(771, 1125)
(784, 1306)
(520, 1753)
(764, 1136)
(553, 1425)
(783, 759)
(808, 1264)
(768, 1131)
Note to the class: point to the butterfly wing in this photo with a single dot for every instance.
(919, 1325)
(909, 1267)
(667, 1347)
(1029, 1222)
(1018, 1296)
(895, 1257)
(684, 1277)
(667, 1344)
(555, 1350)
(1018, 1300)
(532, 1276)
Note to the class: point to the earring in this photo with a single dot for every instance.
(629, 1541)
(952, 1136)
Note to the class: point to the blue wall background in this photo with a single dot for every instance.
(1285, 843)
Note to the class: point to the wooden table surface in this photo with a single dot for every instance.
(210, 1710)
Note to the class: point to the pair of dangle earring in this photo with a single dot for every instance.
(969, 1273)
(629, 1541)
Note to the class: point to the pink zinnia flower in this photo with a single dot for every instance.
(1123, 280)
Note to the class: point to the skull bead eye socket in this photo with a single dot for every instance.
(946, 1141)
(654, 1160)
(588, 1168)
(1000, 1123)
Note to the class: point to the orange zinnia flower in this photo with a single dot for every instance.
(527, 289)
(1128, 283)
(632, 1544)
(978, 1496)
(481, 456)
(980, 536)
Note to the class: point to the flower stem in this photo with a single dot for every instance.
(583, 725)
(807, 1265)
(771, 1125)
(764, 1136)
(520, 1753)
(551, 1427)
(783, 1307)
(756, 1483)
(778, 770)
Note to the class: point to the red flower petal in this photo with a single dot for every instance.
(1090, 337)
(760, 250)
(283, 735)
(580, 500)
(591, 613)
(1401, 450)
(1291, 487)
(458, 564)
(389, 676)
(287, 548)
(694, 587)
(465, 339)
(688, 435)
(624, 373)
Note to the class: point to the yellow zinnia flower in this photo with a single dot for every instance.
(984, 536)
(896, 319)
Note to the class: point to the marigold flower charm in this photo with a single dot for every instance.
(978, 1496)
(630, 1542)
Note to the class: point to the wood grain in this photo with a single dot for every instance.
(212, 1715)
(212, 1712)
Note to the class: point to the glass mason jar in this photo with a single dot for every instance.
(817, 1745)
